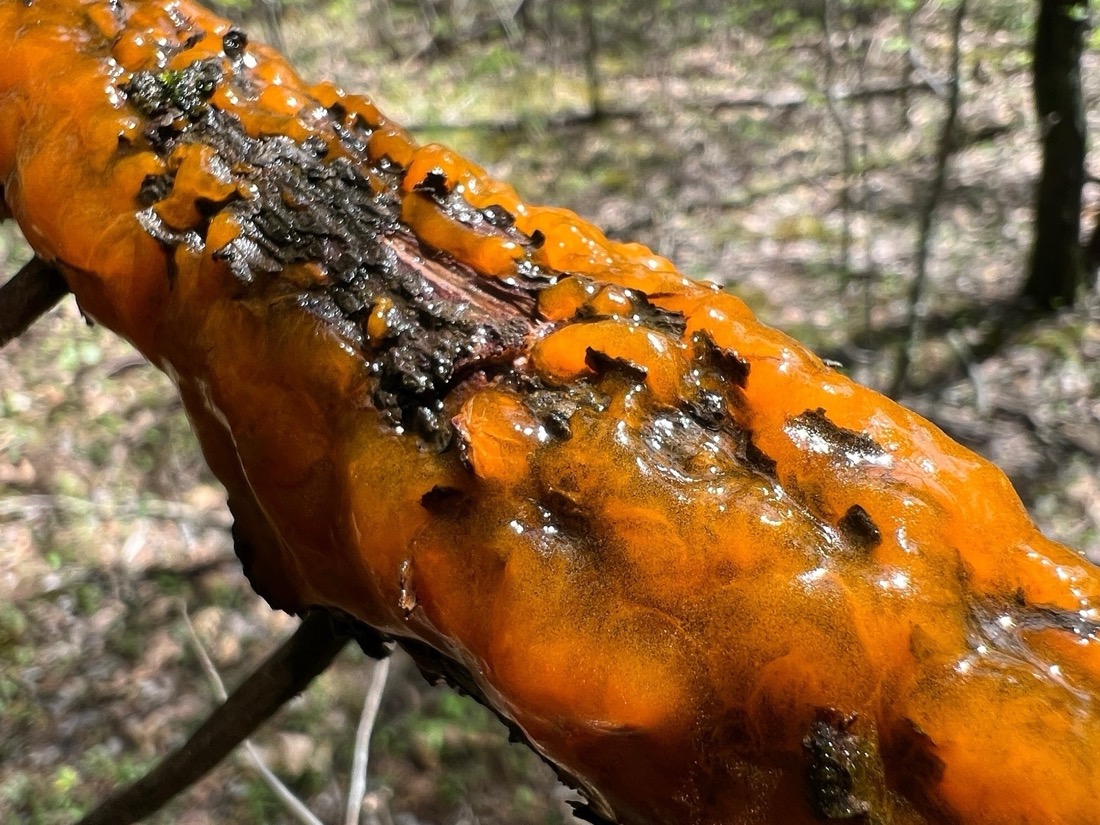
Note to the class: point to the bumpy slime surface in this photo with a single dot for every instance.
(708, 577)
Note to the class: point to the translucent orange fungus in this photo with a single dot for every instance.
(708, 577)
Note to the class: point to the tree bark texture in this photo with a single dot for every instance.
(1057, 263)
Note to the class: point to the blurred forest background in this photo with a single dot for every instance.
(864, 173)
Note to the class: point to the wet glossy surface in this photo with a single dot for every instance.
(707, 575)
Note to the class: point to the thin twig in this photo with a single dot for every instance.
(916, 60)
(35, 505)
(285, 674)
(973, 371)
(27, 296)
(592, 61)
(865, 271)
(293, 804)
(916, 312)
(357, 791)
(272, 20)
(845, 133)
(507, 19)
(566, 118)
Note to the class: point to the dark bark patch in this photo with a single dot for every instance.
(708, 409)
(498, 216)
(859, 528)
(569, 516)
(154, 188)
(733, 367)
(756, 459)
(602, 364)
(835, 768)
(556, 423)
(434, 184)
(441, 499)
(915, 770)
(817, 432)
(444, 323)
(234, 43)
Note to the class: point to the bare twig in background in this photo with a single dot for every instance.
(794, 100)
(293, 804)
(271, 17)
(908, 27)
(916, 66)
(591, 61)
(916, 311)
(358, 787)
(35, 505)
(920, 67)
(844, 131)
(430, 18)
(965, 355)
(506, 17)
(867, 269)
(782, 101)
(285, 674)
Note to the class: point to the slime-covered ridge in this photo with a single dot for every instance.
(708, 577)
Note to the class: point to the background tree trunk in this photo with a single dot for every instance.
(1057, 262)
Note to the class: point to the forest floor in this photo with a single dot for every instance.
(720, 153)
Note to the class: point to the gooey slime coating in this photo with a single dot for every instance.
(706, 576)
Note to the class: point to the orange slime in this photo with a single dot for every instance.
(709, 578)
